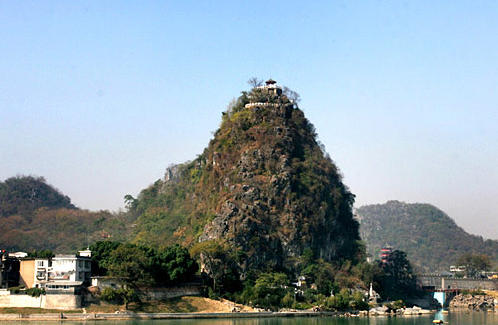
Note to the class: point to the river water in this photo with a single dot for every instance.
(473, 318)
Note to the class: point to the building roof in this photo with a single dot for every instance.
(69, 256)
(66, 283)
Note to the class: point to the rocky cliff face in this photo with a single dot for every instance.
(263, 185)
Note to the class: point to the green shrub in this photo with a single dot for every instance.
(34, 292)
(476, 292)
(359, 302)
(15, 290)
(288, 300)
(395, 305)
(213, 294)
(108, 294)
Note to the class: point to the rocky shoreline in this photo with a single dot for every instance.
(473, 302)
(385, 311)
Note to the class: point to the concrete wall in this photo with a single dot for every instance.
(172, 292)
(60, 301)
(470, 284)
(20, 301)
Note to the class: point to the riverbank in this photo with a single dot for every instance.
(149, 316)
(131, 315)
(179, 308)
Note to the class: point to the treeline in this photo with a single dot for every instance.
(309, 282)
(143, 266)
(138, 267)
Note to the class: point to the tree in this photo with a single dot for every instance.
(219, 261)
(292, 95)
(101, 251)
(474, 263)
(397, 280)
(255, 82)
(171, 265)
(128, 263)
(41, 254)
(130, 202)
(270, 289)
(132, 267)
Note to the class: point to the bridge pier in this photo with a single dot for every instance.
(440, 297)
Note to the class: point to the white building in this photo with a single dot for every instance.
(70, 268)
(42, 266)
(60, 271)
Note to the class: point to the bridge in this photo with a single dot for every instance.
(443, 285)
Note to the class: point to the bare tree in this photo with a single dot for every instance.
(255, 82)
(292, 95)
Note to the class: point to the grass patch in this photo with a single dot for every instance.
(29, 310)
(174, 305)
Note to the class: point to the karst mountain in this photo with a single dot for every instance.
(263, 185)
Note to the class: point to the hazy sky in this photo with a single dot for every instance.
(99, 97)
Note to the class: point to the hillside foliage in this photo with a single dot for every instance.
(35, 216)
(430, 238)
(22, 195)
(59, 230)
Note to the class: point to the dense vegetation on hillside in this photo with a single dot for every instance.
(36, 216)
(60, 230)
(431, 239)
(262, 205)
(22, 195)
(263, 184)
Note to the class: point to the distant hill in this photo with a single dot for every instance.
(431, 239)
(60, 230)
(36, 216)
(24, 194)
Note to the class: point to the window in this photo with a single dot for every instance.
(80, 275)
(87, 264)
(40, 263)
(80, 263)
